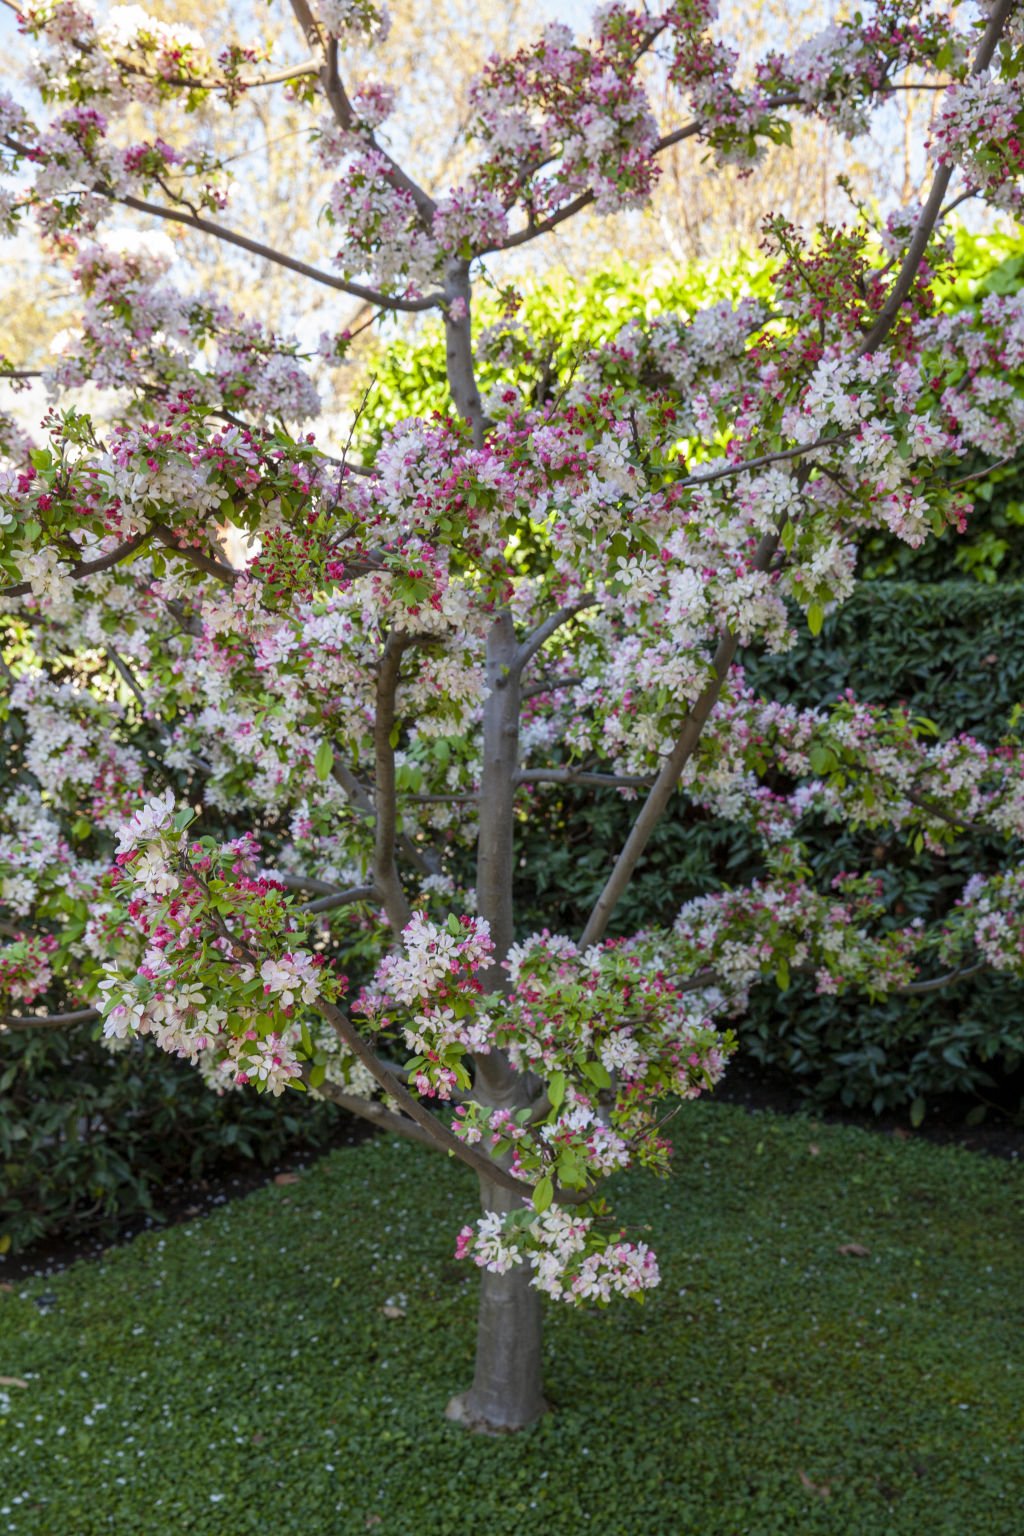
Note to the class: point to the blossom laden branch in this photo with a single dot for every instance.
(278, 258)
(668, 777)
(998, 15)
(77, 570)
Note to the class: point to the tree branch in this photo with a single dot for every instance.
(385, 870)
(195, 557)
(551, 685)
(458, 351)
(542, 634)
(962, 973)
(341, 108)
(442, 1137)
(301, 882)
(579, 776)
(375, 1112)
(362, 804)
(49, 1020)
(668, 777)
(742, 465)
(930, 212)
(268, 253)
(81, 568)
(341, 899)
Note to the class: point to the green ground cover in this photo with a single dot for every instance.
(241, 1374)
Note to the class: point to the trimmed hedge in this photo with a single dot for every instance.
(88, 1139)
(953, 650)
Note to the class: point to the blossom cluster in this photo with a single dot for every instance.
(221, 977)
(981, 128)
(572, 1259)
(26, 969)
(137, 329)
(432, 984)
(579, 112)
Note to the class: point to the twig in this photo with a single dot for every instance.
(49, 1020)
(341, 899)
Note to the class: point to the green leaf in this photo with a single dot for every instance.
(324, 760)
(815, 618)
(917, 1111)
(822, 759)
(316, 1076)
(598, 1074)
(782, 976)
(542, 1194)
(307, 1042)
(556, 1089)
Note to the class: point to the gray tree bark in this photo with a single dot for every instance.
(507, 1391)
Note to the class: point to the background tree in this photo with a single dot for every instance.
(537, 587)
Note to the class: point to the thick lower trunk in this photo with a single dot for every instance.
(506, 1393)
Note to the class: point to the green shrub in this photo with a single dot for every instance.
(87, 1140)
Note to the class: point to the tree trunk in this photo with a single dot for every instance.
(506, 1393)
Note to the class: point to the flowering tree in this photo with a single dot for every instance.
(258, 693)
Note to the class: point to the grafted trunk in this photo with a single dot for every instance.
(507, 1391)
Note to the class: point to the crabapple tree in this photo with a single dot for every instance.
(260, 688)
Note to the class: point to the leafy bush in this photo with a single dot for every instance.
(87, 1140)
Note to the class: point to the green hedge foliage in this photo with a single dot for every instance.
(88, 1140)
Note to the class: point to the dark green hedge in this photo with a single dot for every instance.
(953, 650)
(88, 1140)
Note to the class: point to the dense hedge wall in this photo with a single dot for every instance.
(87, 1140)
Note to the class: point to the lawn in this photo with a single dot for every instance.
(283, 1365)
